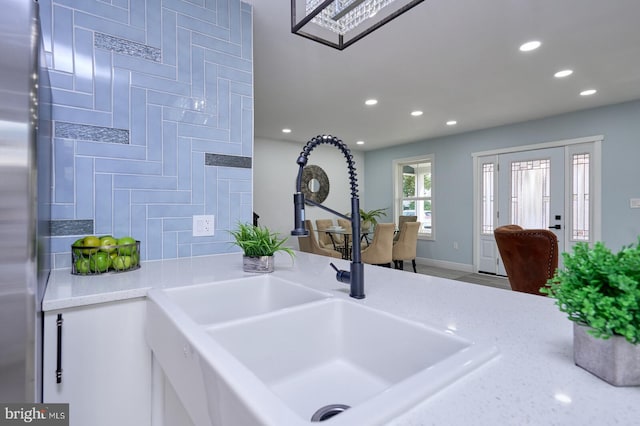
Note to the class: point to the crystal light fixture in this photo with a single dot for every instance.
(340, 23)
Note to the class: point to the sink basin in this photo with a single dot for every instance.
(338, 352)
(176, 320)
(287, 352)
(229, 300)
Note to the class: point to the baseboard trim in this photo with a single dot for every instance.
(464, 267)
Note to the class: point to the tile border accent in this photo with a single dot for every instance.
(60, 228)
(90, 133)
(227, 161)
(127, 47)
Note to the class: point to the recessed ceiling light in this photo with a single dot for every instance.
(360, 142)
(530, 45)
(416, 113)
(588, 92)
(563, 73)
(451, 123)
(370, 102)
(286, 130)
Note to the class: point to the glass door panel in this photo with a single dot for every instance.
(531, 192)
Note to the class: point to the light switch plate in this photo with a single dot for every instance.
(203, 225)
(634, 203)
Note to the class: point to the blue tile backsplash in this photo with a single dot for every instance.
(153, 119)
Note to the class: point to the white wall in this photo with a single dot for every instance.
(274, 175)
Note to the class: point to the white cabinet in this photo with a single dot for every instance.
(106, 363)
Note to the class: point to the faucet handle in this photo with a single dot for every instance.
(341, 275)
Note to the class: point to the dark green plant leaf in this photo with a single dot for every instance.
(256, 241)
(600, 288)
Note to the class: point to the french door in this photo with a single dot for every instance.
(547, 188)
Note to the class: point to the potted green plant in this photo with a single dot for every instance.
(370, 217)
(600, 291)
(259, 245)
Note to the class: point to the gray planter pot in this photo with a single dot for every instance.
(614, 360)
(262, 264)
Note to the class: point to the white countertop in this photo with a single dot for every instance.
(533, 381)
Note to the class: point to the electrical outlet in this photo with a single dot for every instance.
(203, 225)
(455, 245)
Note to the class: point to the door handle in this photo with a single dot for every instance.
(59, 322)
(556, 227)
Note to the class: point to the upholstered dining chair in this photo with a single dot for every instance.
(401, 220)
(405, 247)
(379, 251)
(324, 239)
(309, 244)
(530, 256)
(344, 223)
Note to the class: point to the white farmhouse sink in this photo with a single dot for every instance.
(264, 351)
(338, 352)
(229, 300)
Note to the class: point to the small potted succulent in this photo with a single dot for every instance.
(600, 291)
(259, 245)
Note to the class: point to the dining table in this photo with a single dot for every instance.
(345, 249)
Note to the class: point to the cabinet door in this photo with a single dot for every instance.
(106, 364)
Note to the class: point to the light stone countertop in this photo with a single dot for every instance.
(532, 382)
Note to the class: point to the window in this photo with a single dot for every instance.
(487, 190)
(580, 204)
(414, 191)
(530, 193)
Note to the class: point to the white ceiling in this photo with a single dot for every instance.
(452, 59)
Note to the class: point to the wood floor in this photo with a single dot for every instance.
(474, 278)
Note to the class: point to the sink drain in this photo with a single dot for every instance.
(328, 411)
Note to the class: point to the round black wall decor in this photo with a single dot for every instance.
(315, 183)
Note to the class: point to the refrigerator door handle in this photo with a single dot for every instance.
(59, 350)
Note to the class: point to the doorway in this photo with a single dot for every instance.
(547, 186)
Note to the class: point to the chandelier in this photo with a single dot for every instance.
(340, 23)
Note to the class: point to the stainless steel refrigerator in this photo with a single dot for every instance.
(25, 193)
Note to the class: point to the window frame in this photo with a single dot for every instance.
(591, 150)
(398, 197)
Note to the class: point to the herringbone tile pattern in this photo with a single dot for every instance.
(143, 90)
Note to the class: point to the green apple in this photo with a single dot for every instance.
(127, 246)
(108, 244)
(91, 241)
(82, 266)
(121, 263)
(75, 246)
(99, 262)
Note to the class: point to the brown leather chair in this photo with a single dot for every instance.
(530, 256)
(309, 244)
(405, 247)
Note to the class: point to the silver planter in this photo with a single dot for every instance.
(614, 360)
(262, 264)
